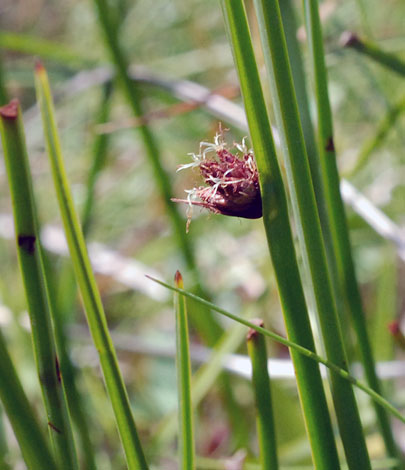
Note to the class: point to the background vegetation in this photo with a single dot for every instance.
(130, 227)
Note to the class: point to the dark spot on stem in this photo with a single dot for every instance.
(27, 243)
(52, 426)
(330, 146)
(58, 373)
(10, 110)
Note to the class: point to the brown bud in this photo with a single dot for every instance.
(232, 181)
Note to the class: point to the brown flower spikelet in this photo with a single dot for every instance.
(233, 182)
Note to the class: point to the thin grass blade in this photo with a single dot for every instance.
(35, 284)
(294, 347)
(338, 223)
(203, 320)
(367, 48)
(185, 409)
(202, 380)
(306, 213)
(87, 283)
(266, 429)
(66, 293)
(279, 236)
(28, 433)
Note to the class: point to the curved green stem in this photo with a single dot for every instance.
(185, 409)
(256, 346)
(87, 283)
(294, 347)
(280, 241)
(337, 217)
(35, 284)
(306, 213)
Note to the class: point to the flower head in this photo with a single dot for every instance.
(232, 180)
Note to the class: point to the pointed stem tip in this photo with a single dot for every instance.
(178, 280)
(39, 66)
(10, 110)
(252, 334)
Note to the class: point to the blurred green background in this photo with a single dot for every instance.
(174, 40)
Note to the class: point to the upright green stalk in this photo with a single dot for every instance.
(31, 265)
(67, 292)
(338, 223)
(302, 194)
(185, 409)
(75, 399)
(261, 384)
(299, 79)
(87, 283)
(28, 432)
(202, 381)
(205, 322)
(279, 236)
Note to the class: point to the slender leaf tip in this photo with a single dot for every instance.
(10, 110)
(39, 67)
(178, 279)
(252, 334)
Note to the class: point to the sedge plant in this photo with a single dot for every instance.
(185, 409)
(36, 290)
(87, 284)
(294, 347)
(337, 216)
(280, 241)
(306, 213)
(266, 431)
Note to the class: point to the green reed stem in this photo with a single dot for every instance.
(28, 433)
(294, 347)
(302, 194)
(75, 399)
(367, 48)
(87, 283)
(299, 79)
(266, 429)
(279, 236)
(66, 298)
(339, 229)
(203, 380)
(204, 321)
(185, 409)
(35, 284)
